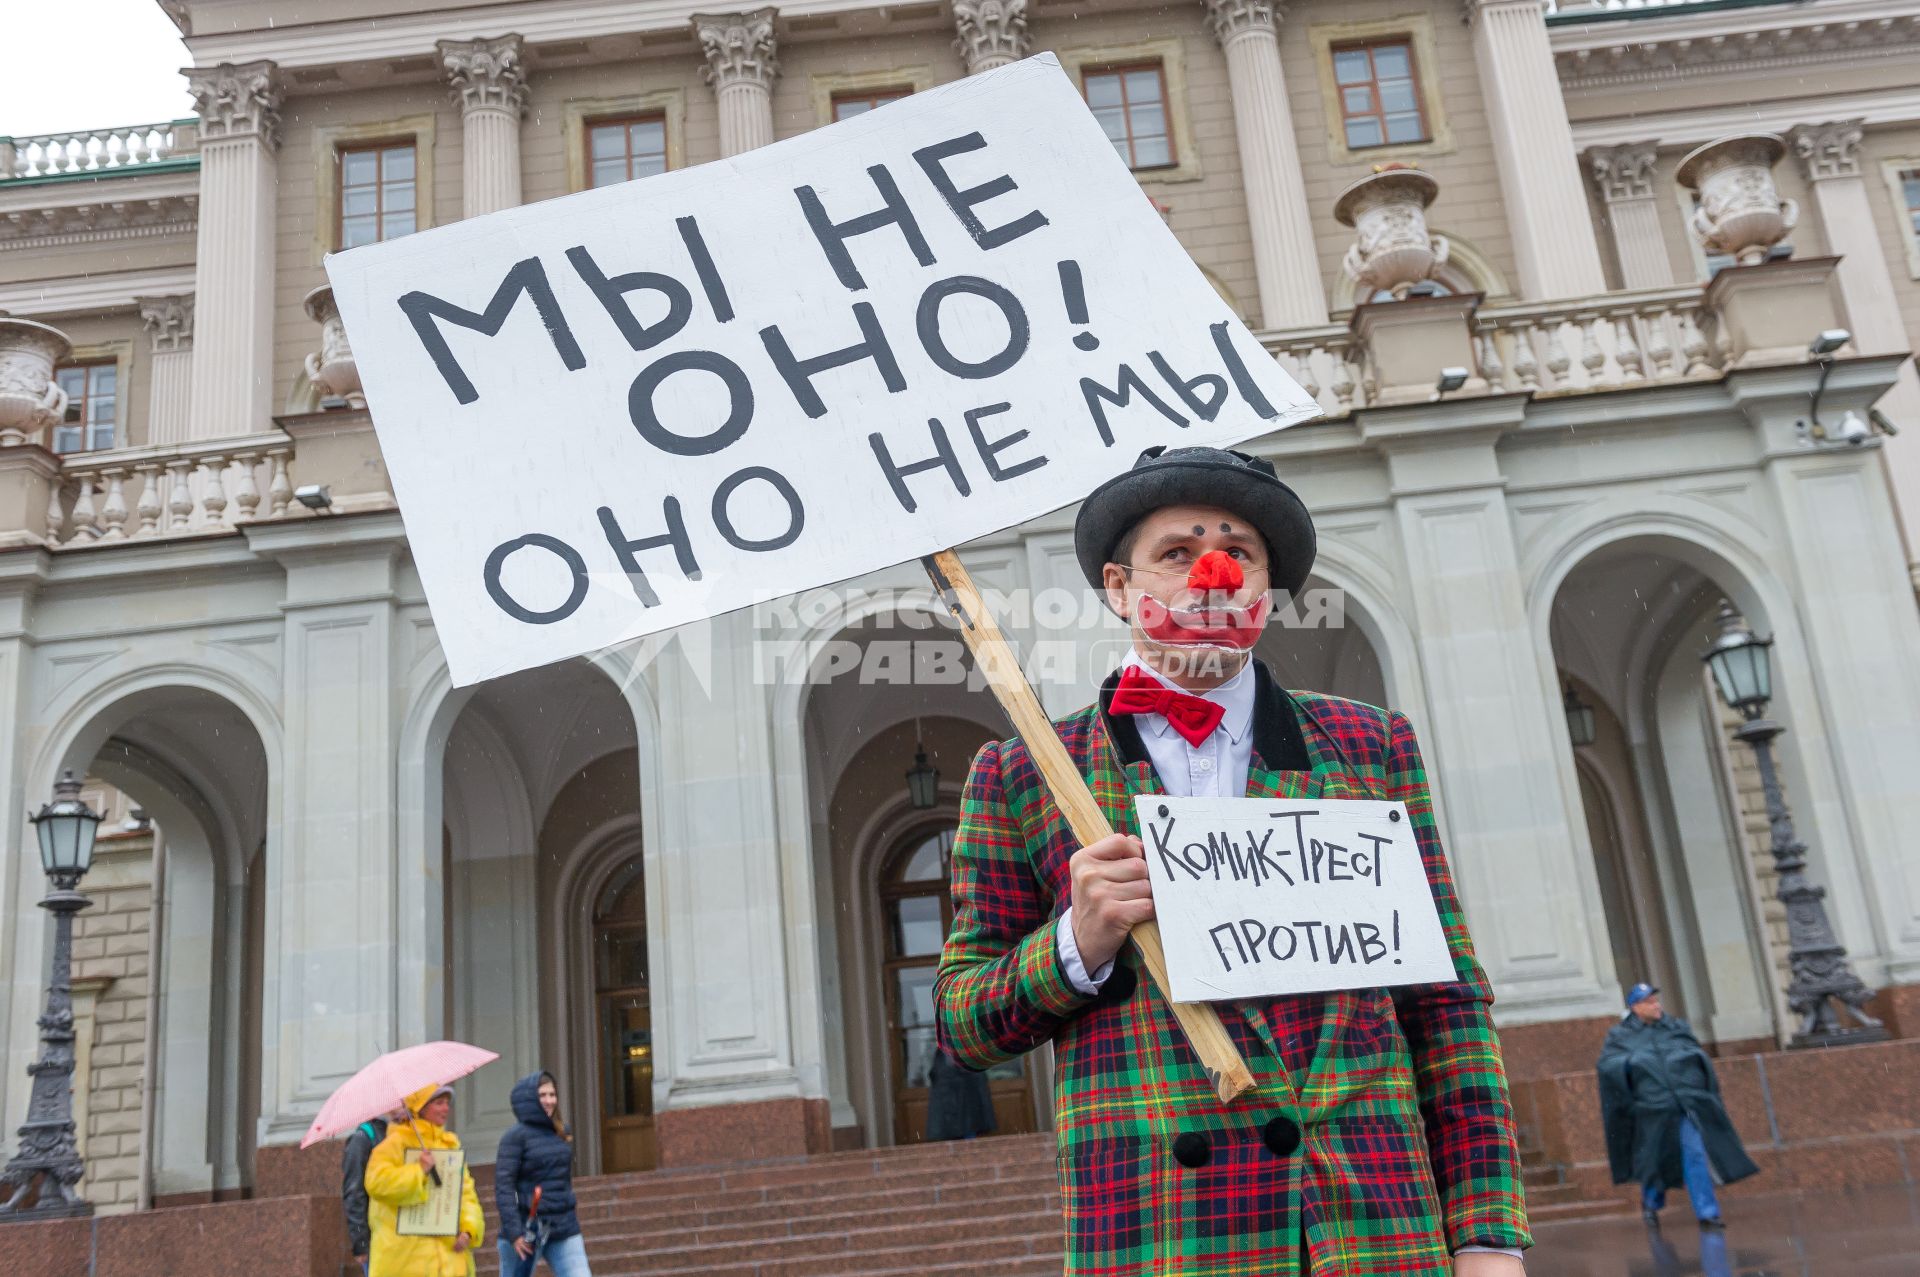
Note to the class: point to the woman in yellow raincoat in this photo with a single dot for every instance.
(393, 1182)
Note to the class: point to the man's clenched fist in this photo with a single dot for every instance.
(1111, 896)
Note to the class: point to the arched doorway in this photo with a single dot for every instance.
(1683, 883)
(917, 912)
(623, 1021)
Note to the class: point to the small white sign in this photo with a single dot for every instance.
(634, 407)
(1258, 897)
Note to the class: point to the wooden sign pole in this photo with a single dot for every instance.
(1075, 801)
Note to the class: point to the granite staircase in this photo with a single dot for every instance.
(972, 1207)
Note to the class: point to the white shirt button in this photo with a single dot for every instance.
(1203, 765)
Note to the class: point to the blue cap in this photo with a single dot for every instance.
(1640, 993)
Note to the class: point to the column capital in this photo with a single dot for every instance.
(991, 33)
(486, 74)
(1231, 18)
(237, 101)
(169, 321)
(739, 47)
(1827, 150)
(1623, 172)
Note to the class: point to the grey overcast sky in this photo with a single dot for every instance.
(90, 64)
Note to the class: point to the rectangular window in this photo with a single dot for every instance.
(622, 149)
(1131, 104)
(376, 193)
(93, 402)
(1910, 194)
(848, 105)
(1379, 93)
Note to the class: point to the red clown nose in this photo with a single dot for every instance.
(1215, 570)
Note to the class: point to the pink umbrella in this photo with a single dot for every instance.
(385, 1084)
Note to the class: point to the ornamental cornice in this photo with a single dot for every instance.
(486, 74)
(991, 32)
(1232, 18)
(237, 101)
(1623, 172)
(740, 47)
(1827, 150)
(169, 321)
(1650, 56)
(98, 222)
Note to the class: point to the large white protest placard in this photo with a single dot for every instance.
(1258, 897)
(616, 412)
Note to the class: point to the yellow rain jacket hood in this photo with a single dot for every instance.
(393, 1182)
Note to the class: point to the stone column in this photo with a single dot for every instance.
(239, 110)
(332, 929)
(741, 67)
(1829, 158)
(1285, 260)
(1547, 215)
(1624, 177)
(731, 1012)
(169, 322)
(992, 33)
(489, 83)
(1492, 732)
(23, 929)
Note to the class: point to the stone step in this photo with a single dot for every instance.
(973, 1154)
(847, 1212)
(842, 1243)
(804, 1197)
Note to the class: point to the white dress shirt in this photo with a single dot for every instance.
(1216, 767)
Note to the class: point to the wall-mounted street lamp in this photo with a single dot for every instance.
(1822, 983)
(1579, 718)
(923, 778)
(49, 1156)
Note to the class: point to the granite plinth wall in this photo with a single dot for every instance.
(1814, 1121)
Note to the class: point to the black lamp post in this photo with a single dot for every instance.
(48, 1155)
(1579, 718)
(1822, 983)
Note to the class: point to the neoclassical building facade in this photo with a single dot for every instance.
(689, 876)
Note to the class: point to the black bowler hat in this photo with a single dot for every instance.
(1236, 481)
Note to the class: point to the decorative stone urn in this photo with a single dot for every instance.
(30, 400)
(1392, 250)
(1740, 211)
(331, 369)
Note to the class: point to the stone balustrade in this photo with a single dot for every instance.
(1613, 342)
(132, 494)
(131, 146)
(1326, 360)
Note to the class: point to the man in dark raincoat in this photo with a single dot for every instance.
(1660, 1103)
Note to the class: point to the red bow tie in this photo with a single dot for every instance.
(1194, 717)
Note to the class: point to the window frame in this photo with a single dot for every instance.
(1417, 31)
(1891, 170)
(1369, 45)
(378, 147)
(1171, 54)
(828, 87)
(890, 92)
(579, 115)
(626, 120)
(89, 361)
(329, 141)
(1121, 70)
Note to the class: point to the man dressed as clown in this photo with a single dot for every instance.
(1378, 1138)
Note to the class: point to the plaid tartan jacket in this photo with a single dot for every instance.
(1406, 1150)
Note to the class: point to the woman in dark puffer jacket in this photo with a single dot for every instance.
(538, 1153)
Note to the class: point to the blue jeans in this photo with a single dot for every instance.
(1698, 1172)
(563, 1259)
